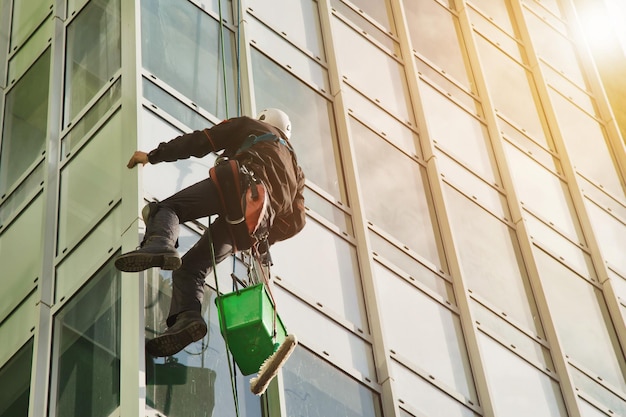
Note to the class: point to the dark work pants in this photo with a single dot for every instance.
(196, 201)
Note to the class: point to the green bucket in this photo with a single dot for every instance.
(248, 326)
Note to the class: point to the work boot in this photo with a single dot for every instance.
(158, 246)
(188, 328)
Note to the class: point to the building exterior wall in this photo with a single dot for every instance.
(466, 206)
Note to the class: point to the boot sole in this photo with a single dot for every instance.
(171, 343)
(135, 262)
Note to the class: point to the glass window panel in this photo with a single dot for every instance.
(566, 250)
(519, 389)
(302, 27)
(368, 27)
(93, 54)
(599, 393)
(90, 182)
(468, 182)
(459, 133)
(74, 269)
(611, 235)
(601, 198)
(487, 28)
(539, 153)
(491, 260)
(173, 384)
(497, 11)
(312, 120)
(360, 61)
(315, 388)
(411, 266)
(214, 5)
(541, 191)
(15, 383)
(21, 195)
(16, 328)
(452, 88)
(329, 211)
(580, 313)
(273, 44)
(425, 397)
(587, 146)
(334, 282)
(174, 107)
(321, 334)
(381, 121)
(588, 410)
(162, 180)
(86, 352)
(22, 240)
(567, 88)
(378, 10)
(434, 344)
(27, 15)
(553, 47)
(179, 32)
(619, 285)
(78, 132)
(387, 175)
(512, 90)
(509, 334)
(31, 50)
(435, 33)
(25, 123)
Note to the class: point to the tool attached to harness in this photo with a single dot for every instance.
(245, 202)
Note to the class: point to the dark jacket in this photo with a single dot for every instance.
(272, 162)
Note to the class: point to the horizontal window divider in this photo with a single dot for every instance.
(596, 378)
(589, 280)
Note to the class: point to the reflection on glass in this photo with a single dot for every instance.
(361, 62)
(195, 381)
(314, 135)
(21, 241)
(18, 197)
(33, 47)
(335, 280)
(491, 260)
(181, 45)
(387, 175)
(612, 233)
(302, 27)
(497, 11)
(425, 397)
(519, 389)
(365, 24)
(329, 211)
(25, 123)
(580, 313)
(424, 331)
(15, 383)
(86, 351)
(378, 10)
(488, 28)
(459, 133)
(90, 182)
(93, 54)
(512, 89)
(435, 34)
(586, 143)
(315, 388)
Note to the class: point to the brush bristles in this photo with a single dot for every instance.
(270, 367)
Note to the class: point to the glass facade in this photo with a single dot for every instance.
(465, 197)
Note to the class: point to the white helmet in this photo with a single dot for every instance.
(278, 119)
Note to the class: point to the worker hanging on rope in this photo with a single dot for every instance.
(257, 159)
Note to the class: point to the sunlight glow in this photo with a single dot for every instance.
(602, 25)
